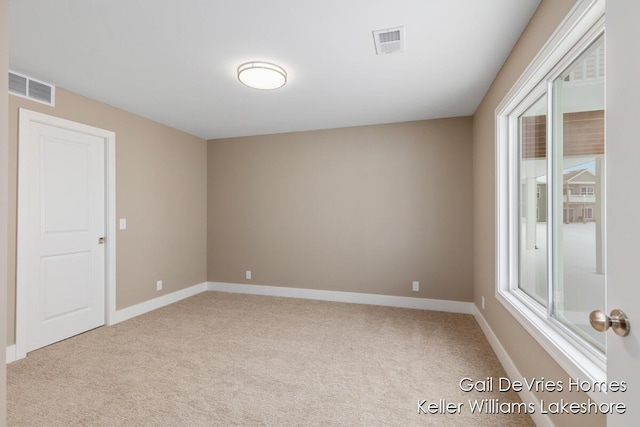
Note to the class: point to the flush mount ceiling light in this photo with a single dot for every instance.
(262, 75)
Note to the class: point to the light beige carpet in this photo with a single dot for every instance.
(224, 359)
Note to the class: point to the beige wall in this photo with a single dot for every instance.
(160, 190)
(365, 209)
(529, 357)
(4, 197)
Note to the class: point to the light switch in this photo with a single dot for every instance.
(123, 223)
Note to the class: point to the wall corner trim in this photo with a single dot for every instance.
(348, 297)
(540, 420)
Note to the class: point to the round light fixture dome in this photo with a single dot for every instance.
(262, 75)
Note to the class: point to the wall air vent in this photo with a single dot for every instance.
(26, 87)
(390, 40)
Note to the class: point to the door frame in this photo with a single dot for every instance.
(25, 183)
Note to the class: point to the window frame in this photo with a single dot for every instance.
(582, 26)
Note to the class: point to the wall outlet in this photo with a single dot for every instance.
(416, 286)
(159, 285)
(247, 275)
(483, 303)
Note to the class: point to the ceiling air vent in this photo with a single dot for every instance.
(390, 40)
(29, 88)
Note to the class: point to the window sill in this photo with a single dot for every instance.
(560, 345)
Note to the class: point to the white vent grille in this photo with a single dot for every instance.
(17, 84)
(29, 88)
(390, 40)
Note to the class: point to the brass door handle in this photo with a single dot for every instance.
(617, 321)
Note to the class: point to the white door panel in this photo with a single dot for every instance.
(63, 289)
(65, 198)
(62, 209)
(623, 207)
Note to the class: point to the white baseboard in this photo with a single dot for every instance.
(147, 306)
(350, 297)
(527, 397)
(11, 353)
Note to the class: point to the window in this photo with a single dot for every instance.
(550, 129)
(587, 191)
(588, 213)
(532, 164)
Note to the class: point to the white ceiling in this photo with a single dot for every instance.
(174, 61)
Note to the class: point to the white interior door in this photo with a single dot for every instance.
(61, 230)
(623, 207)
